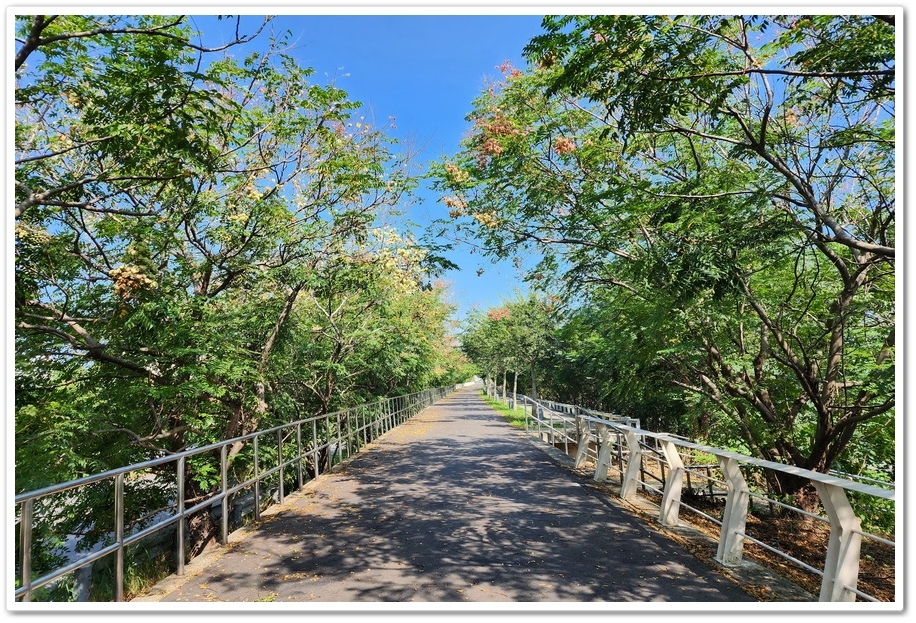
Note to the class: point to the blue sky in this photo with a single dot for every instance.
(423, 70)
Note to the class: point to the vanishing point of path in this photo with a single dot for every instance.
(454, 505)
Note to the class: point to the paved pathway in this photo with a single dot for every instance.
(454, 505)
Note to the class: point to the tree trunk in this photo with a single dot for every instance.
(260, 385)
(802, 493)
(202, 527)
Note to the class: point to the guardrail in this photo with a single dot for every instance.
(620, 445)
(288, 449)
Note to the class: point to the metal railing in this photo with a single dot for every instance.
(283, 456)
(660, 464)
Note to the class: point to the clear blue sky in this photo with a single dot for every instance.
(424, 70)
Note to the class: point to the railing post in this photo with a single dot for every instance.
(356, 441)
(841, 567)
(224, 477)
(553, 432)
(25, 547)
(299, 478)
(630, 479)
(373, 423)
(339, 439)
(584, 437)
(179, 481)
(734, 517)
(604, 452)
(671, 498)
(280, 492)
(357, 431)
(566, 436)
(119, 537)
(315, 447)
(329, 442)
(257, 482)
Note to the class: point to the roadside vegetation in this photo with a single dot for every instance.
(514, 416)
(712, 201)
(208, 242)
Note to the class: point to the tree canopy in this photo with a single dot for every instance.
(719, 191)
(207, 242)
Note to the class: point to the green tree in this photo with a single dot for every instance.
(732, 178)
(516, 337)
(483, 341)
(178, 212)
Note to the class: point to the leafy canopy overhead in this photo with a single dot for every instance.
(719, 189)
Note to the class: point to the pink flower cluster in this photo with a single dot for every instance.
(498, 314)
(491, 147)
(564, 145)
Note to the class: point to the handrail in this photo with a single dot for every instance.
(582, 427)
(828, 479)
(372, 420)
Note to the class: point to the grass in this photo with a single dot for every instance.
(269, 597)
(515, 417)
(142, 570)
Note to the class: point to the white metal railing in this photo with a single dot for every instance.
(620, 444)
(276, 454)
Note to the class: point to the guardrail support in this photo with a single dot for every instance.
(257, 481)
(634, 465)
(315, 467)
(604, 452)
(582, 441)
(281, 493)
(734, 518)
(299, 454)
(119, 537)
(25, 545)
(224, 486)
(671, 498)
(841, 567)
(182, 522)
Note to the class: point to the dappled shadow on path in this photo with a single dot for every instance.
(454, 506)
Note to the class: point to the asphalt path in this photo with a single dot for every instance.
(454, 505)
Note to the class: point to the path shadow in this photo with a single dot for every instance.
(455, 506)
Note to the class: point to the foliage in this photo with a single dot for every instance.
(516, 337)
(716, 195)
(204, 246)
(514, 416)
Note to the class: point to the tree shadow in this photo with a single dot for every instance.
(453, 506)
